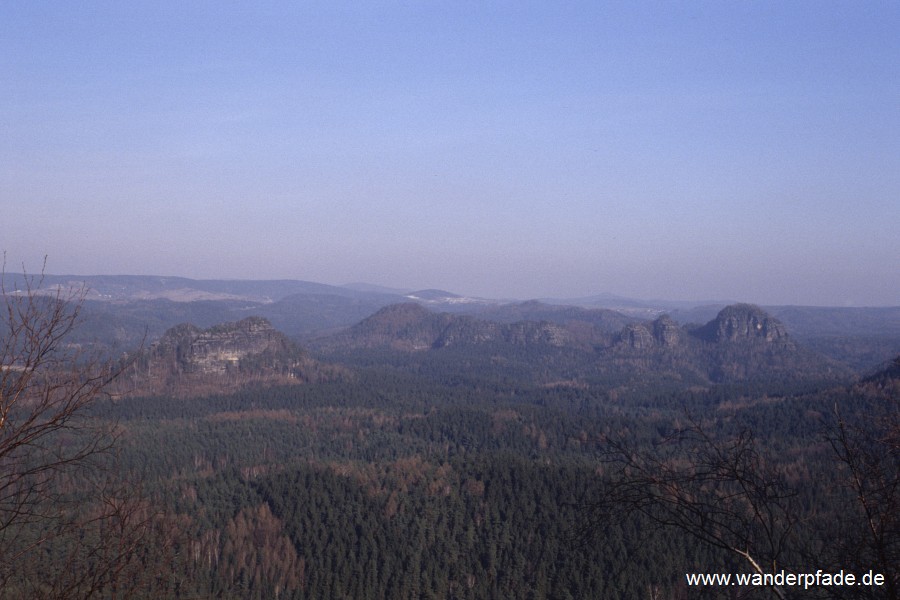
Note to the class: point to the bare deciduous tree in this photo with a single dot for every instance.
(69, 527)
(869, 456)
(722, 492)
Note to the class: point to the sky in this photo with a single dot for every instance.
(745, 151)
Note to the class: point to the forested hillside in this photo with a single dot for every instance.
(741, 345)
(445, 456)
(391, 486)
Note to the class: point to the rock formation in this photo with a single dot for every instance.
(188, 360)
(743, 322)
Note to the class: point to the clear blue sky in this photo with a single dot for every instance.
(683, 150)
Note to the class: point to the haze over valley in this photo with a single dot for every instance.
(449, 300)
(579, 340)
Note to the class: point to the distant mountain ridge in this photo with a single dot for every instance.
(604, 320)
(411, 327)
(743, 342)
(183, 289)
(120, 310)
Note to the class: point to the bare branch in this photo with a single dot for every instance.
(720, 490)
(56, 492)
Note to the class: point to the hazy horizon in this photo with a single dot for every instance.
(708, 151)
(597, 297)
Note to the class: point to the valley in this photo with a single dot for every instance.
(520, 449)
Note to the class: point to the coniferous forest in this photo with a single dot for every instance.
(461, 472)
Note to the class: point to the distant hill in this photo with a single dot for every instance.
(860, 337)
(121, 311)
(111, 288)
(743, 323)
(809, 321)
(433, 296)
(888, 375)
(361, 286)
(601, 319)
(411, 327)
(190, 361)
(742, 343)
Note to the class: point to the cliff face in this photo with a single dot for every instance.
(743, 322)
(221, 349)
(637, 337)
(188, 360)
(667, 332)
(661, 333)
(743, 342)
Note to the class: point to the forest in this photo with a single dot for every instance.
(436, 476)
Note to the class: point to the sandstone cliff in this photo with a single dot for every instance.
(188, 360)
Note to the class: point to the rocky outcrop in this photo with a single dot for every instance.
(667, 332)
(637, 337)
(741, 322)
(661, 333)
(743, 342)
(189, 361)
(221, 349)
